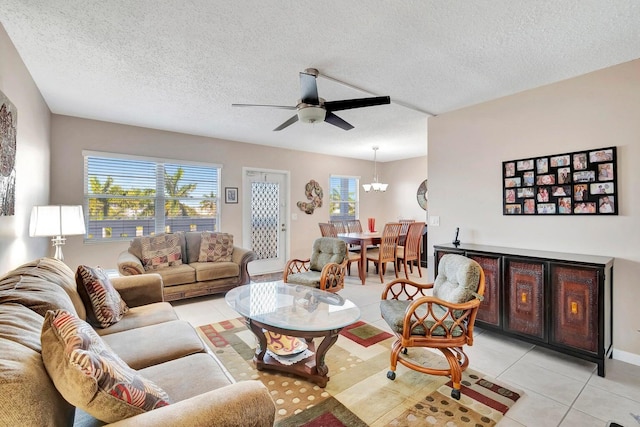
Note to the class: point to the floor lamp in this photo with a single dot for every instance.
(56, 222)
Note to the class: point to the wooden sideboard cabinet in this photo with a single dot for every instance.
(556, 300)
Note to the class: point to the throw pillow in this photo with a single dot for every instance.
(108, 306)
(89, 375)
(161, 251)
(215, 247)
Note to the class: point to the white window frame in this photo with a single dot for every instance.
(356, 181)
(211, 223)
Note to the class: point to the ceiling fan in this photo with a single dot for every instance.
(313, 109)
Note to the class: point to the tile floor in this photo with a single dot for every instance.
(559, 390)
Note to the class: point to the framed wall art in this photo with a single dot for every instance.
(8, 120)
(578, 183)
(231, 194)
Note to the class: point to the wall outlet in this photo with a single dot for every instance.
(294, 217)
(434, 221)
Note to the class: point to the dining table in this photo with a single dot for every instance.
(363, 239)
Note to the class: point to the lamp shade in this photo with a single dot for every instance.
(56, 221)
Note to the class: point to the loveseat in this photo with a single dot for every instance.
(159, 349)
(188, 268)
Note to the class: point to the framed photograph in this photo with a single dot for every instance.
(231, 194)
(579, 183)
(580, 161)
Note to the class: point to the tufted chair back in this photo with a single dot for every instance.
(458, 279)
(326, 250)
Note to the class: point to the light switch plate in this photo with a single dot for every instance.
(434, 221)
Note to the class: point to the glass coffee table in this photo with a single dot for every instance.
(288, 313)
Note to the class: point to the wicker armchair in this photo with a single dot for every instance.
(325, 269)
(444, 321)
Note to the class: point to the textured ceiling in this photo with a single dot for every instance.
(179, 65)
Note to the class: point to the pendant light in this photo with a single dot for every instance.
(375, 185)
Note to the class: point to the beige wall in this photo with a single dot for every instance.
(32, 158)
(72, 135)
(466, 148)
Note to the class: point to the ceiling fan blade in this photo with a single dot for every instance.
(289, 122)
(337, 121)
(284, 107)
(308, 89)
(347, 104)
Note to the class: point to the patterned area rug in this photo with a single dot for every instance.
(358, 392)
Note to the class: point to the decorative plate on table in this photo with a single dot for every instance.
(284, 345)
(421, 195)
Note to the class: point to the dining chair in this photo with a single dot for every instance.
(443, 320)
(354, 226)
(405, 228)
(327, 229)
(339, 226)
(386, 251)
(410, 251)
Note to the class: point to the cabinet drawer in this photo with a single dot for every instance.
(489, 311)
(524, 298)
(574, 299)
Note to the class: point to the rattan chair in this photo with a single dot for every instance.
(444, 321)
(354, 226)
(410, 251)
(325, 269)
(386, 252)
(404, 230)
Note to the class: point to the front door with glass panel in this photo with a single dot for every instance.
(265, 219)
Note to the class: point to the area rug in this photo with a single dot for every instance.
(358, 392)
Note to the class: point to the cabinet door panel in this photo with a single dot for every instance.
(524, 298)
(489, 311)
(574, 297)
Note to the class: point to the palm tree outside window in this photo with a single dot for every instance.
(127, 196)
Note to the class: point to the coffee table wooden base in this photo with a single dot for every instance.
(312, 368)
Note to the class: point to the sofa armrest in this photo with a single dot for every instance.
(129, 264)
(242, 257)
(139, 290)
(243, 404)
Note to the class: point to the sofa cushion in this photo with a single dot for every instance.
(215, 270)
(29, 397)
(215, 247)
(199, 373)
(90, 375)
(144, 315)
(106, 303)
(36, 290)
(192, 239)
(177, 275)
(143, 347)
(161, 251)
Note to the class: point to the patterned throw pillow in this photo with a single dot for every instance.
(215, 247)
(89, 375)
(161, 251)
(108, 306)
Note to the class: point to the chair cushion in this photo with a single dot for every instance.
(458, 279)
(326, 250)
(108, 307)
(308, 278)
(215, 247)
(161, 251)
(393, 312)
(89, 375)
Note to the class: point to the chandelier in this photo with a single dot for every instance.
(375, 185)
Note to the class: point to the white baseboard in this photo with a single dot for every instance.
(625, 356)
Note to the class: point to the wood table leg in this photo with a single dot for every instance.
(363, 262)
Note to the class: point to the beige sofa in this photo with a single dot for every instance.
(191, 278)
(149, 338)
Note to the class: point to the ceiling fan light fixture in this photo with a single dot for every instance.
(375, 185)
(311, 114)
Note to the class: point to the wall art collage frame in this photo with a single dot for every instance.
(577, 183)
